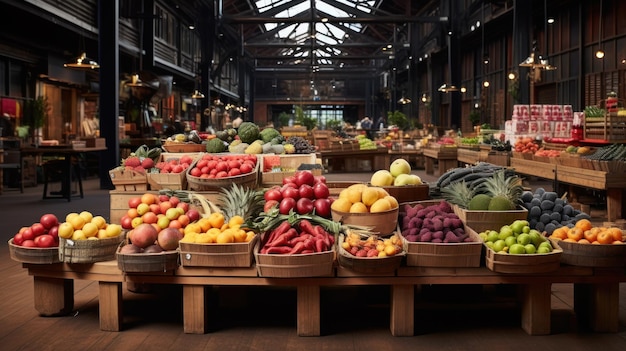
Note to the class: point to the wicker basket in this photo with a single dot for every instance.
(384, 223)
(374, 265)
(166, 261)
(249, 180)
(41, 255)
(128, 179)
(294, 266)
(524, 264)
(593, 255)
(89, 251)
(217, 255)
(183, 147)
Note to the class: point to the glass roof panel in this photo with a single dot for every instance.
(327, 34)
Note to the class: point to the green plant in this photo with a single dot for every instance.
(304, 120)
(36, 112)
(333, 124)
(474, 117)
(398, 119)
(283, 119)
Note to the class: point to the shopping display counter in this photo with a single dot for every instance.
(596, 292)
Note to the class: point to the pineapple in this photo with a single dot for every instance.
(505, 191)
(458, 193)
(240, 201)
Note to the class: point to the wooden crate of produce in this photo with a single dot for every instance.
(217, 255)
(427, 254)
(294, 266)
(524, 264)
(164, 262)
(488, 220)
(128, 179)
(593, 255)
(38, 255)
(531, 167)
(277, 167)
(368, 265)
(610, 128)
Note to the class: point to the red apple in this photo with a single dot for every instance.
(38, 229)
(174, 200)
(304, 205)
(144, 235)
(54, 231)
(286, 205)
(133, 202)
(273, 194)
(304, 177)
(168, 238)
(28, 234)
(45, 240)
(321, 191)
(290, 192)
(305, 190)
(289, 179)
(183, 205)
(126, 222)
(49, 220)
(193, 215)
(322, 207)
(29, 243)
(18, 239)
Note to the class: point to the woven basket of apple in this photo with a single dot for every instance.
(85, 238)
(516, 248)
(369, 206)
(364, 252)
(212, 172)
(37, 243)
(434, 236)
(400, 183)
(221, 237)
(591, 246)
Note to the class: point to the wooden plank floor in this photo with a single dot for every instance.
(264, 318)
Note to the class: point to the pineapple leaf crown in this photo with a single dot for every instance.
(240, 201)
(503, 184)
(458, 193)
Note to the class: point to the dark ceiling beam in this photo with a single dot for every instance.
(293, 45)
(307, 19)
(339, 58)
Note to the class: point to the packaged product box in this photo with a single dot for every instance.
(536, 112)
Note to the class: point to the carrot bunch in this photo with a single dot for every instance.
(525, 144)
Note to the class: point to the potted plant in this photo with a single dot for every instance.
(35, 114)
(304, 120)
(398, 119)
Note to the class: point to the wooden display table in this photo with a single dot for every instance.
(596, 292)
(355, 160)
(612, 182)
(468, 156)
(446, 158)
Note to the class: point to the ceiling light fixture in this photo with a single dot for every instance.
(82, 62)
(197, 95)
(404, 100)
(600, 52)
(536, 60)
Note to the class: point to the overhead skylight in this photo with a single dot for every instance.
(326, 35)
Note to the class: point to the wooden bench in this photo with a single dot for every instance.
(596, 292)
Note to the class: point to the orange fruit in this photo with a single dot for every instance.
(616, 233)
(148, 198)
(590, 235)
(575, 233)
(605, 237)
(216, 220)
(583, 224)
(560, 233)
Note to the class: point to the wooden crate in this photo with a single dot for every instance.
(175, 147)
(165, 262)
(294, 266)
(488, 220)
(277, 167)
(523, 264)
(128, 179)
(426, 254)
(408, 193)
(593, 255)
(531, 167)
(610, 128)
(217, 255)
(89, 251)
(384, 223)
(368, 265)
(172, 181)
(36, 255)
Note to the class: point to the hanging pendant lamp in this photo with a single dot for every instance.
(82, 62)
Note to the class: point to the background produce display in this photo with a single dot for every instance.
(547, 211)
(398, 174)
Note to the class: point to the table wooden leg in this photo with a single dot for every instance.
(402, 310)
(110, 301)
(598, 305)
(308, 310)
(613, 204)
(445, 165)
(194, 309)
(53, 296)
(429, 165)
(536, 308)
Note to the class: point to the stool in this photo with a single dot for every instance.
(57, 170)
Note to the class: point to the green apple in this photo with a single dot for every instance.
(530, 249)
(517, 249)
(526, 229)
(543, 250)
(510, 240)
(492, 236)
(381, 178)
(524, 239)
(505, 232)
(402, 179)
(536, 238)
(518, 226)
(399, 166)
(499, 245)
(483, 236)
(546, 244)
(415, 179)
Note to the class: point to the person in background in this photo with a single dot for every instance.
(380, 122)
(6, 126)
(366, 124)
